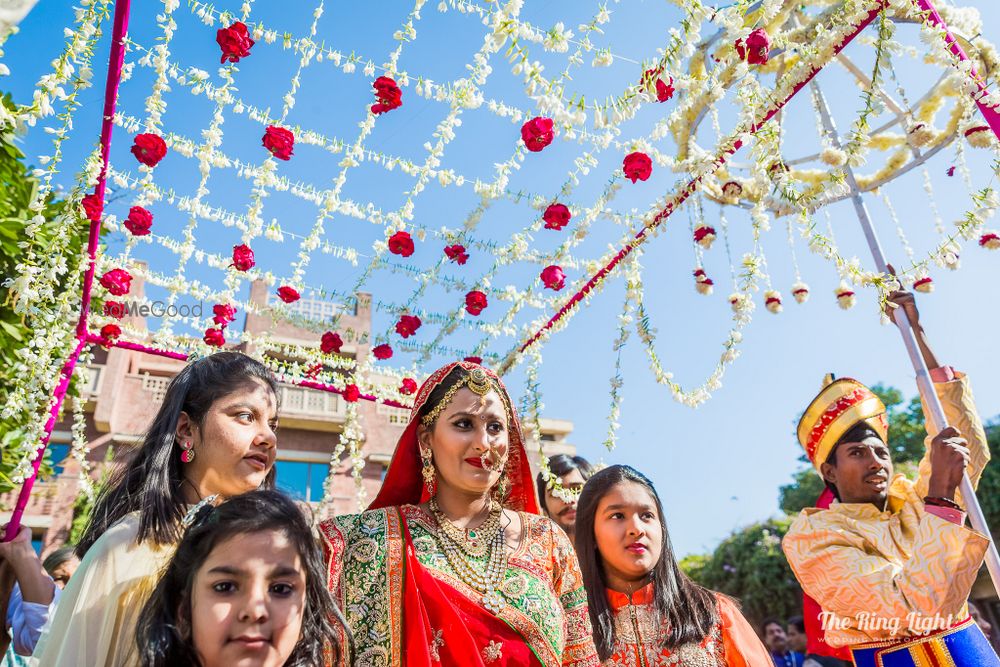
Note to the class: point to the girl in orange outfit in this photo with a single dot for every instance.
(645, 612)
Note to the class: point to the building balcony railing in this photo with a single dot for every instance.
(300, 402)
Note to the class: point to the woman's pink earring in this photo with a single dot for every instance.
(187, 452)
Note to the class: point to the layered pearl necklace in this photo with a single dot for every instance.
(460, 547)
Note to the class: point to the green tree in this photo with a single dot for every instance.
(750, 566)
(17, 190)
(989, 485)
(906, 442)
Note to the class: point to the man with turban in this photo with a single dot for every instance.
(891, 562)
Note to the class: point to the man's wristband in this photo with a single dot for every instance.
(938, 501)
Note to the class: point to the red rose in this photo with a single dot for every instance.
(242, 257)
(117, 281)
(475, 302)
(456, 253)
(235, 42)
(756, 48)
(537, 133)
(331, 343)
(115, 309)
(556, 216)
(408, 387)
(989, 240)
(92, 207)
(387, 94)
(637, 166)
(702, 232)
(288, 294)
(215, 337)
(278, 141)
(149, 149)
(553, 277)
(401, 243)
(475, 360)
(407, 325)
(664, 88)
(224, 314)
(382, 351)
(111, 332)
(139, 221)
(352, 393)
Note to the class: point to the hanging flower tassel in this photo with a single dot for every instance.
(704, 235)
(920, 135)
(800, 291)
(924, 285)
(732, 191)
(833, 157)
(702, 282)
(845, 296)
(740, 303)
(979, 136)
(990, 240)
(772, 301)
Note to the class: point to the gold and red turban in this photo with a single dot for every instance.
(839, 407)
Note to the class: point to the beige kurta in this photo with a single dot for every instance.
(870, 567)
(95, 621)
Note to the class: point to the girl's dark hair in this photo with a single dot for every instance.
(163, 635)
(150, 483)
(687, 611)
(61, 555)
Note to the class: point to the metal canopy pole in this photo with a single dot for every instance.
(924, 383)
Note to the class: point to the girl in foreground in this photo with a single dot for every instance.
(246, 588)
(212, 436)
(644, 610)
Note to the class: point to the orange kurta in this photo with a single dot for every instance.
(731, 643)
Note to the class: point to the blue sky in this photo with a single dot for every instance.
(717, 467)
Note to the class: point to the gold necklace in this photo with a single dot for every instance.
(476, 541)
(486, 581)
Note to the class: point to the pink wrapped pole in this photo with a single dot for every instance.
(122, 8)
(990, 114)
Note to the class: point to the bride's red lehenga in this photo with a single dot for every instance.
(407, 605)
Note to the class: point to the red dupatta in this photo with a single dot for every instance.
(403, 484)
(441, 626)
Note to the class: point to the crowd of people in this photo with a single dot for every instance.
(191, 557)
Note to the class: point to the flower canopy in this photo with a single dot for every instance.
(479, 207)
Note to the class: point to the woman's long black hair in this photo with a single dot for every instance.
(150, 482)
(686, 610)
(163, 635)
